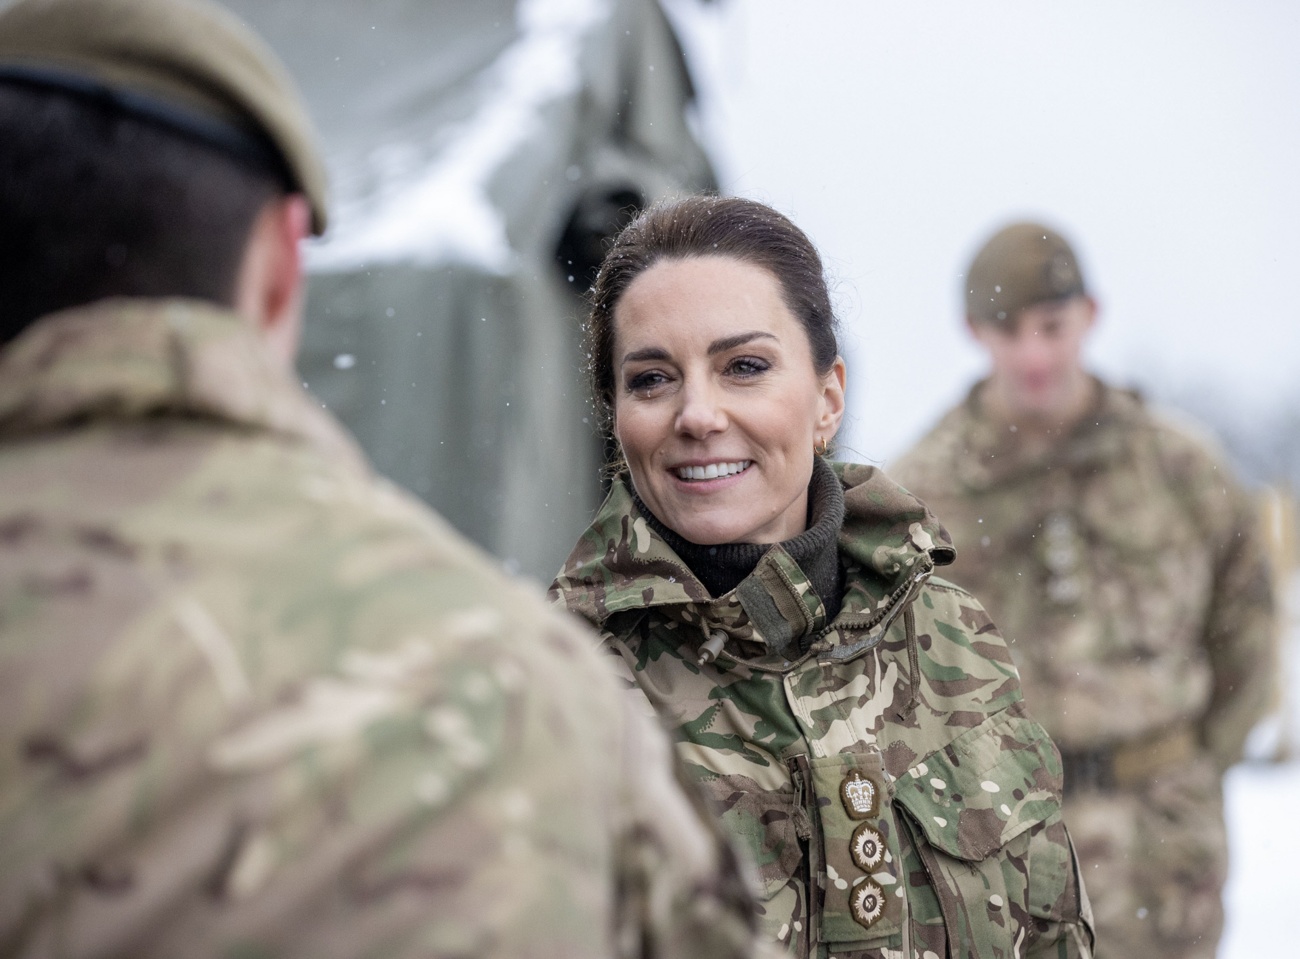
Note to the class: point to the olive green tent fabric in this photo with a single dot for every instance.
(468, 142)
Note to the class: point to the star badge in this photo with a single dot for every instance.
(867, 904)
(867, 847)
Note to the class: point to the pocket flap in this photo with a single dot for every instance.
(762, 822)
(985, 787)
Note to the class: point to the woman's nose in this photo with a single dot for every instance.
(701, 412)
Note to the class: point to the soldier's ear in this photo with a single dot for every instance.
(269, 289)
(981, 331)
(1093, 311)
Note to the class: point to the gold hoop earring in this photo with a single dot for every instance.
(821, 446)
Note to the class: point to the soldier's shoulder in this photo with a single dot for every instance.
(1182, 436)
(1169, 430)
(1188, 455)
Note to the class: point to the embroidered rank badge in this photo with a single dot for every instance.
(867, 847)
(867, 904)
(858, 795)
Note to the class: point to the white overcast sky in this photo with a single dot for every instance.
(1163, 137)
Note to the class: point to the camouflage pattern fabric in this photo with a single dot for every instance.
(881, 769)
(255, 702)
(1124, 568)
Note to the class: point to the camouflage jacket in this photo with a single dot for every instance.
(1124, 565)
(256, 702)
(895, 796)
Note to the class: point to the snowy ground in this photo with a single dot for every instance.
(1262, 801)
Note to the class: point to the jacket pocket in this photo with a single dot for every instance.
(770, 827)
(984, 817)
(986, 787)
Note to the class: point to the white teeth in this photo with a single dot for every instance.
(713, 470)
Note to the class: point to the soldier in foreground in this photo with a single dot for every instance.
(253, 700)
(1122, 562)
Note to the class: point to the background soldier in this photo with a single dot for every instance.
(253, 700)
(1123, 563)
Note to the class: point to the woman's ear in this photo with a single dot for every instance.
(833, 387)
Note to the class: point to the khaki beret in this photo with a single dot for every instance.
(1020, 265)
(187, 64)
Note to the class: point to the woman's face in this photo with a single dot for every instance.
(716, 402)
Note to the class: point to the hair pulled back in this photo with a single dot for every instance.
(698, 226)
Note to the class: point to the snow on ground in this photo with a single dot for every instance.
(1265, 846)
(1264, 840)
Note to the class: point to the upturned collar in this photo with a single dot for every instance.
(127, 359)
(724, 567)
(888, 543)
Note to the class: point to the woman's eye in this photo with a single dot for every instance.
(646, 382)
(747, 366)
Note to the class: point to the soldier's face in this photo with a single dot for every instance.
(717, 405)
(1037, 368)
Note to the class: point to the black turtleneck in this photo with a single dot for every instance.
(721, 568)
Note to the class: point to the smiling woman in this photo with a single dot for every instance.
(717, 404)
(859, 725)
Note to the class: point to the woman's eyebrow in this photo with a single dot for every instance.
(740, 339)
(649, 353)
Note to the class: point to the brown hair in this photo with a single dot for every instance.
(695, 226)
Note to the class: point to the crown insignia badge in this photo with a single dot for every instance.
(859, 796)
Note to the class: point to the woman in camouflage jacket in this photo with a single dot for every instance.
(858, 724)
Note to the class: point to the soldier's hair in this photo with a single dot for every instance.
(96, 203)
(708, 225)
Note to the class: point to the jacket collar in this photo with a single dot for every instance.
(888, 540)
(122, 359)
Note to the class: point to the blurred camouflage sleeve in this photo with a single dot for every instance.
(1241, 624)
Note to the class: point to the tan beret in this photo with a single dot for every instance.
(189, 64)
(1020, 265)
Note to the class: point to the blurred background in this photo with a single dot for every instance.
(1161, 137)
(482, 150)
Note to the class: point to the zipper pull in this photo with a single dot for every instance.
(711, 647)
(799, 772)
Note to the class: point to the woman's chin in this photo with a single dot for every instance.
(720, 530)
(707, 531)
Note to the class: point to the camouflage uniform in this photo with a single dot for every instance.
(881, 768)
(1124, 569)
(255, 702)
